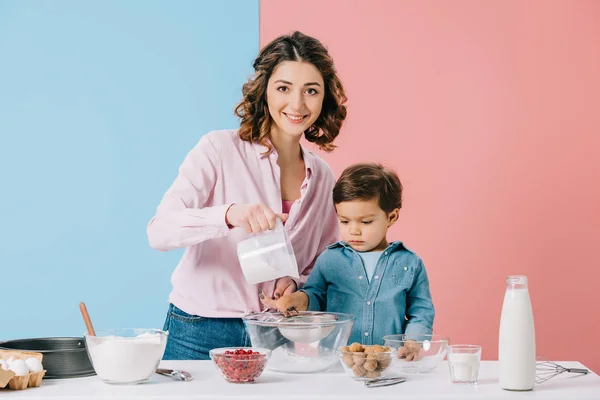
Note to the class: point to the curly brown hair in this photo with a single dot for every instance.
(255, 125)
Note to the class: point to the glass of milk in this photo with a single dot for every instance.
(464, 360)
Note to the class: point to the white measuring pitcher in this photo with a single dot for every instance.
(268, 256)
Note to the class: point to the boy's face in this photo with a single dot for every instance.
(363, 225)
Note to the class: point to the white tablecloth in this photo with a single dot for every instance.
(333, 384)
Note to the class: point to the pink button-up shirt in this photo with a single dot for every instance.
(221, 170)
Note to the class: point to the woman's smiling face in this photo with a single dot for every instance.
(295, 94)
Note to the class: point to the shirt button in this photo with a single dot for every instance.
(368, 303)
(366, 333)
(360, 277)
(406, 268)
(385, 253)
(376, 276)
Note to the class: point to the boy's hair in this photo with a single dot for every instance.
(368, 181)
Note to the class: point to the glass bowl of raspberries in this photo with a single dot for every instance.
(240, 364)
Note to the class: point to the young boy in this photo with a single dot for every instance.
(384, 285)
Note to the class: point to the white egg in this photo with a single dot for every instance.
(19, 367)
(4, 364)
(10, 360)
(34, 364)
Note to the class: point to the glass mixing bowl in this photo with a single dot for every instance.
(431, 350)
(126, 356)
(302, 343)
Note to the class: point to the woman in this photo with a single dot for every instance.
(247, 178)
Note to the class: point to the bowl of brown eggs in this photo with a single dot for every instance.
(364, 363)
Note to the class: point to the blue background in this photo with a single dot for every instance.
(100, 101)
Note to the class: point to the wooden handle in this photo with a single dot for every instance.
(86, 319)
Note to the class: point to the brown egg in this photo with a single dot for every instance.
(373, 374)
(368, 349)
(348, 359)
(359, 358)
(359, 370)
(370, 365)
(357, 347)
(386, 348)
(344, 349)
(371, 356)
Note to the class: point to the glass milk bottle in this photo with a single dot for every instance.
(516, 351)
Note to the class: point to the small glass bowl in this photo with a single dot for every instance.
(430, 350)
(372, 362)
(237, 366)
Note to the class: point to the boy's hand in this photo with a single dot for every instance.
(288, 303)
(410, 351)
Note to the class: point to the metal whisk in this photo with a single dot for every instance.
(546, 369)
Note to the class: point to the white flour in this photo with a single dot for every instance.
(256, 271)
(267, 257)
(283, 360)
(305, 334)
(126, 359)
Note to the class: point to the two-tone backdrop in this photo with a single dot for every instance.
(489, 111)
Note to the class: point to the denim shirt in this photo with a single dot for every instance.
(397, 300)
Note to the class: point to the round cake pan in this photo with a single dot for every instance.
(64, 357)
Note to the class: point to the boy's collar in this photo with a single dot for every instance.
(392, 246)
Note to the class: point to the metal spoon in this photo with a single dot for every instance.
(176, 374)
(384, 382)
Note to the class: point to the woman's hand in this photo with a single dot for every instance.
(254, 218)
(288, 304)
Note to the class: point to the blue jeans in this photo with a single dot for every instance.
(191, 337)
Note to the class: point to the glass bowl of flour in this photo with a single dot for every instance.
(126, 356)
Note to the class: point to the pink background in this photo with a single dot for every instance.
(490, 113)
